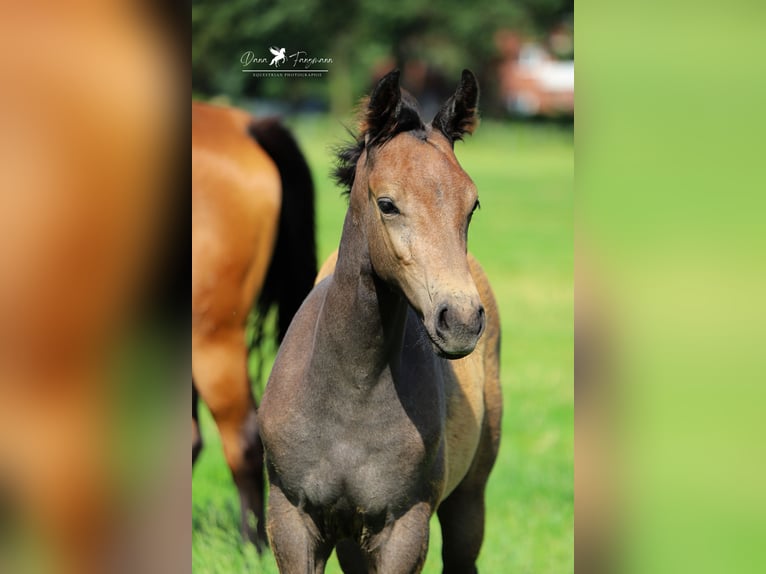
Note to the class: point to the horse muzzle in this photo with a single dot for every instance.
(456, 326)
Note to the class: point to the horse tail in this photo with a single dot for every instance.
(293, 265)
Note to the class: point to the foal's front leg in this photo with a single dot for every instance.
(295, 540)
(404, 547)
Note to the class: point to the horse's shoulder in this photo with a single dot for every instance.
(480, 277)
(491, 336)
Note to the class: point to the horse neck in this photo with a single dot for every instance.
(361, 324)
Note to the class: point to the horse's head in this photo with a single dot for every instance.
(415, 203)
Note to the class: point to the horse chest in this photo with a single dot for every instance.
(369, 456)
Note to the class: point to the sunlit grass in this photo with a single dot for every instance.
(523, 237)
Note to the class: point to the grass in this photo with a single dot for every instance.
(523, 236)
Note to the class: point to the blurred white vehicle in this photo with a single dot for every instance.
(534, 84)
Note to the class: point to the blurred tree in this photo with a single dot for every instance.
(358, 36)
(547, 13)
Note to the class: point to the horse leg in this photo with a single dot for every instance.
(351, 558)
(461, 517)
(296, 542)
(404, 544)
(196, 435)
(461, 514)
(219, 366)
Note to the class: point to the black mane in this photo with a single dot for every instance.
(407, 120)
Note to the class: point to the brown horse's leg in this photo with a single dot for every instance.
(220, 374)
(405, 545)
(296, 542)
(196, 434)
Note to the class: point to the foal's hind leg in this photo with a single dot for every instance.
(462, 521)
(461, 514)
(219, 367)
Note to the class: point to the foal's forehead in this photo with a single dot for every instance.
(419, 162)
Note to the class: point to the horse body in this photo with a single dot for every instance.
(244, 204)
(367, 429)
(460, 384)
(230, 254)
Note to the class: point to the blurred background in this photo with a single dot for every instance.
(670, 282)
(94, 336)
(522, 52)
(521, 158)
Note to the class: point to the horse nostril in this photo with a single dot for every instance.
(481, 320)
(442, 325)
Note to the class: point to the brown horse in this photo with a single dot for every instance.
(252, 237)
(384, 403)
(86, 208)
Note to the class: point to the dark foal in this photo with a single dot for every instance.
(384, 403)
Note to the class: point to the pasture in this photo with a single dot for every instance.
(523, 236)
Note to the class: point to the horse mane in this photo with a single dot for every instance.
(347, 155)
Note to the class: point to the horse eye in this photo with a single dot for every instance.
(387, 206)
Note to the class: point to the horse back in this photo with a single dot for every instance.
(236, 195)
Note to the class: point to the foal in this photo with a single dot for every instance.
(384, 403)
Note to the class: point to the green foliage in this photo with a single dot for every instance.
(358, 35)
(523, 237)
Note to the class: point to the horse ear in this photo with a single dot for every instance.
(459, 114)
(383, 108)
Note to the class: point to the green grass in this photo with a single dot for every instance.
(523, 236)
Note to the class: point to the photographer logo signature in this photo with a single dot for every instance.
(296, 65)
(279, 56)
